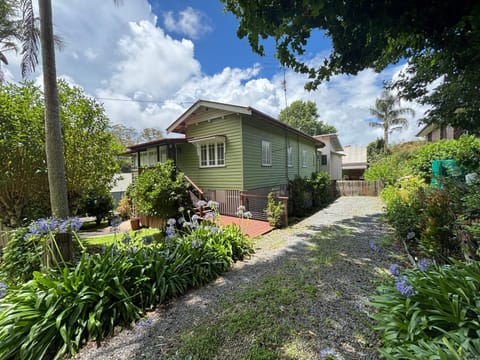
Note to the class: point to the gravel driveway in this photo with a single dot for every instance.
(353, 224)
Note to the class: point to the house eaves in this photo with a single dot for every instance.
(179, 125)
(425, 130)
(146, 145)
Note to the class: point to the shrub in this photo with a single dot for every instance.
(438, 238)
(321, 189)
(404, 202)
(466, 151)
(21, 257)
(388, 169)
(59, 310)
(160, 191)
(274, 211)
(297, 201)
(437, 319)
(124, 209)
(98, 203)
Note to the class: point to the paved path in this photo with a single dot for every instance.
(351, 276)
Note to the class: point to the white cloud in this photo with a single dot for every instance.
(189, 22)
(119, 53)
(152, 62)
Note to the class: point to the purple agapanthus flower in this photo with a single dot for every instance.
(423, 264)
(373, 246)
(410, 235)
(170, 232)
(329, 354)
(3, 289)
(404, 287)
(196, 243)
(394, 269)
(145, 322)
(171, 221)
(201, 203)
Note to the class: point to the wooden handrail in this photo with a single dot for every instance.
(194, 185)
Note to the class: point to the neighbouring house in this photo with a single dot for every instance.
(121, 182)
(330, 159)
(354, 162)
(433, 133)
(232, 153)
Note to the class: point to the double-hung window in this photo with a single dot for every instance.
(266, 153)
(304, 158)
(212, 153)
(289, 156)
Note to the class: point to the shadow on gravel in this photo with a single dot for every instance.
(337, 315)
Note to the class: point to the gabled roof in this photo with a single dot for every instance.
(203, 106)
(334, 141)
(426, 130)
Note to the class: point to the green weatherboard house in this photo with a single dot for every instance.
(229, 150)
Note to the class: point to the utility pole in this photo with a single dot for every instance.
(284, 87)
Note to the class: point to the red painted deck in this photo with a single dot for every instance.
(249, 227)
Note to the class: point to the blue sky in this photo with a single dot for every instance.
(148, 61)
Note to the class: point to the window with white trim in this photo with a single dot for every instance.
(148, 157)
(290, 156)
(266, 153)
(163, 153)
(212, 154)
(304, 158)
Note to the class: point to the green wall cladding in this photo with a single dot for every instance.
(258, 176)
(243, 168)
(226, 177)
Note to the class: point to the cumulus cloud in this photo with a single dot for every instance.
(145, 78)
(189, 22)
(152, 62)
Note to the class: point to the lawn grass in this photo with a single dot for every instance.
(274, 317)
(111, 238)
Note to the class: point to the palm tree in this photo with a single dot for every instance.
(389, 117)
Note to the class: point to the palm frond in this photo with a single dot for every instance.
(30, 38)
(3, 58)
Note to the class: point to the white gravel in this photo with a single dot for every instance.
(350, 276)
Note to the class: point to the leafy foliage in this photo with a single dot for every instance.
(274, 211)
(160, 191)
(58, 311)
(307, 194)
(376, 150)
(21, 257)
(441, 42)
(439, 321)
(388, 169)
(124, 208)
(89, 150)
(466, 151)
(98, 203)
(304, 117)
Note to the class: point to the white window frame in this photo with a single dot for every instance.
(290, 156)
(148, 157)
(266, 153)
(163, 153)
(304, 158)
(211, 153)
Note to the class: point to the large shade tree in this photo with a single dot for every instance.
(303, 115)
(440, 40)
(28, 33)
(389, 114)
(89, 148)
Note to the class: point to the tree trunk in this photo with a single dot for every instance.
(385, 140)
(53, 133)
